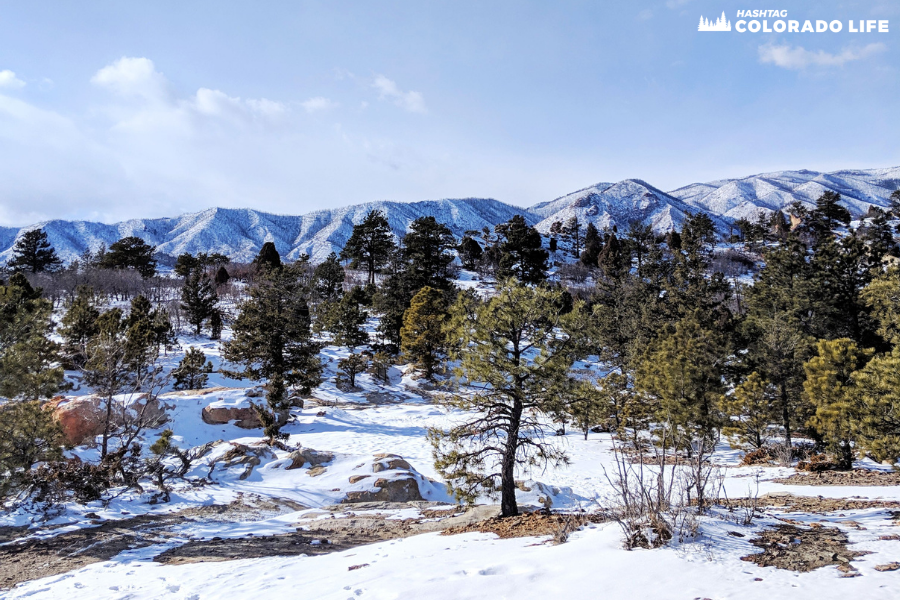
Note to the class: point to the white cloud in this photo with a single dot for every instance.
(387, 89)
(317, 104)
(798, 58)
(132, 77)
(8, 79)
(645, 14)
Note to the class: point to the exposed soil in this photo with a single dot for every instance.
(861, 477)
(528, 524)
(33, 558)
(292, 544)
(810, 504)
(799, 549)
(342, 528)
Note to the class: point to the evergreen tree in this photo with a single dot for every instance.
(28, 359)
(29, 435)
(272, 341)
(268, 258)
(427, 256)
(638, 241)
(328, 278)
(131, 253)
(751, 407)
(876, 393)
(222, 276)
(593, 245)
(613, 260)
(141, 343)
(198, 299)
(521, 254)
(349, 368)
(829, 387)
(32, 253)
(894, 202)
(517, 349)
(422, 338)
(371, 244)
(348, 320)
(106, 369)
(682, 375)
(470, 252)
(193, 371)
(882, 297)
(79, 324)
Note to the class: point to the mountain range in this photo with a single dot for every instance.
(239, 233)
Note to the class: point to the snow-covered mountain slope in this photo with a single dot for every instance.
(748, 196)
(239, 233)
(622, 203)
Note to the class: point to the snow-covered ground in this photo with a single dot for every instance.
(355, 427)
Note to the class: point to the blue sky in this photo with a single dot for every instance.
(113, 110)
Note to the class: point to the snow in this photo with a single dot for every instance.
(240, 233)
(474, 565)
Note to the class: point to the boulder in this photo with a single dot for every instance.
(241, 455)
(244, 417)
(401, 489)
(82, 418)
(391, 463)
(304, 456)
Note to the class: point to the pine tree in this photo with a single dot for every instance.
(28, 359)
(198, 299)
(268, 258)
(682, 373)
(876, 393)
(470, 252)
(516, 349)
(348, 320)
(882, 297)
(222, 276)
(750, 409)
(422, 337)
(141, 344)
(79, 323)
(427, 256)
(131, 252)
(272, 341)
(32, 253)
(370, 244)
(328, 278)
(350, 367)
(193, 370)
(106, 369)
(829, 387)
(29, 434)
(593, 245)
(521, 254)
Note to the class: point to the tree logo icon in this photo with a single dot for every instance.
(721, 24)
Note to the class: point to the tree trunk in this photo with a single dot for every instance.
(508, 506)
(785, 416)
(104, 447)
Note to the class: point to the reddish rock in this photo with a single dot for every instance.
(81, 419)
(388, 490)
(244, 417)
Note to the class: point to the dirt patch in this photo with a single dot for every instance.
(799, 549)
(32, 558)
(310, 543)
(528, 524)
(861, 477)
(810, 504)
